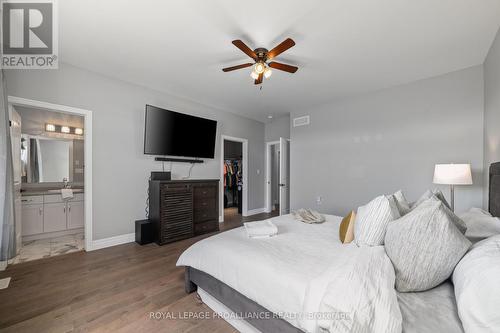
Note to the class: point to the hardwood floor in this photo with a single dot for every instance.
(109, 290)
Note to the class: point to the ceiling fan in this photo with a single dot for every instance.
(261, 56)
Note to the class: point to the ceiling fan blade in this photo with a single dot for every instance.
(285, 45)
(283, 67)
(228, 69)
(259, 79)
(243, 47)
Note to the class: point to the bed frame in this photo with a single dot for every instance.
(237, 302)
(494, 190)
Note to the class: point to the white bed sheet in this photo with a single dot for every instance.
(274, 272)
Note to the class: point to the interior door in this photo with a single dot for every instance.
(284, 176)
(15, 134)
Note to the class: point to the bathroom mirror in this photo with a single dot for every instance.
(49, 160)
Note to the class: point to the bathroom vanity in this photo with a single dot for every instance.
(45, 214)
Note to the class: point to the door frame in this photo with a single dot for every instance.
(87, 135)
(268, 191)
(244, 143)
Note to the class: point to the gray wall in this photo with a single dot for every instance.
(276, 128)
(120, 170)
(359, 148)
(491, 110)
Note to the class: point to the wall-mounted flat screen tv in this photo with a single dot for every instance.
(170, 133)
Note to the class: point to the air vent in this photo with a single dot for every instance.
(301, 121)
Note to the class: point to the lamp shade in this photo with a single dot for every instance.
(452, 174)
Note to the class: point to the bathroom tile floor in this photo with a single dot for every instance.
(44, 248)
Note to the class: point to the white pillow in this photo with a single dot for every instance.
(372, 220)
(476, 287)
(480, 224)
(401, 202)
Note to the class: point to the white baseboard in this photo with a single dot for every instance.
(255, 211)
(112, 241)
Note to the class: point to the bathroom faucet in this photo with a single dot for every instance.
(65, 181)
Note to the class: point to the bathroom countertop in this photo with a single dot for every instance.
(48, 192)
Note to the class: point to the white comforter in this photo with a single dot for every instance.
(306, 275)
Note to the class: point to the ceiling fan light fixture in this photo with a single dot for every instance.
(268, 72)
(260, 67)
(254, 75)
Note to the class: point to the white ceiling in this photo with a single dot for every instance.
(344, 47)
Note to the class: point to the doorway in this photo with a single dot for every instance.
(278, 176)
(49, 133)
(233, 180)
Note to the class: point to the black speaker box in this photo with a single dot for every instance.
(143, 232)
(159, 175)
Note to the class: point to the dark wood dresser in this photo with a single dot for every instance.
(181, 209)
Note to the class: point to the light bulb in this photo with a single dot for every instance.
(254, 75)
(65, 129)
(267, 73)
(260, 68)
(78, 131)
(50, 128)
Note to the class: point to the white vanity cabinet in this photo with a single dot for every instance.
(54, 217)
(32, 219)
(49, 213)
(75, 214)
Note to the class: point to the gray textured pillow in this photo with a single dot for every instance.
(401, 202)
(459, 223)
(428, 194)
(372, 219)
(424, 246)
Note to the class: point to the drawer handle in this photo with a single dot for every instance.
(204, 203)
(40, 211)
(204, 192)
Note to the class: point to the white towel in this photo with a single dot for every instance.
(66, 193)
(308, 216)
(261, 229)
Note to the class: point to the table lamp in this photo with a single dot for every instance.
(452, 174)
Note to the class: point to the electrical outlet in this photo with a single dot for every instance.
(319, 200)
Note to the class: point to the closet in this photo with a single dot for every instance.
(233, 176)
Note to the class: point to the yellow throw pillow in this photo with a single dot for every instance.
(346, 230)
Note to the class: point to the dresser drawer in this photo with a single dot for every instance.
(205, 204)
(202, 215)
(210, 226)
(205, 191)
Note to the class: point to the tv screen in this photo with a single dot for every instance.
(175, 134)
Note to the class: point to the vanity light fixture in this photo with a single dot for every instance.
(63, 129)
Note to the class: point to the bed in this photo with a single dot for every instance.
(234, 270)
(283, 278)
